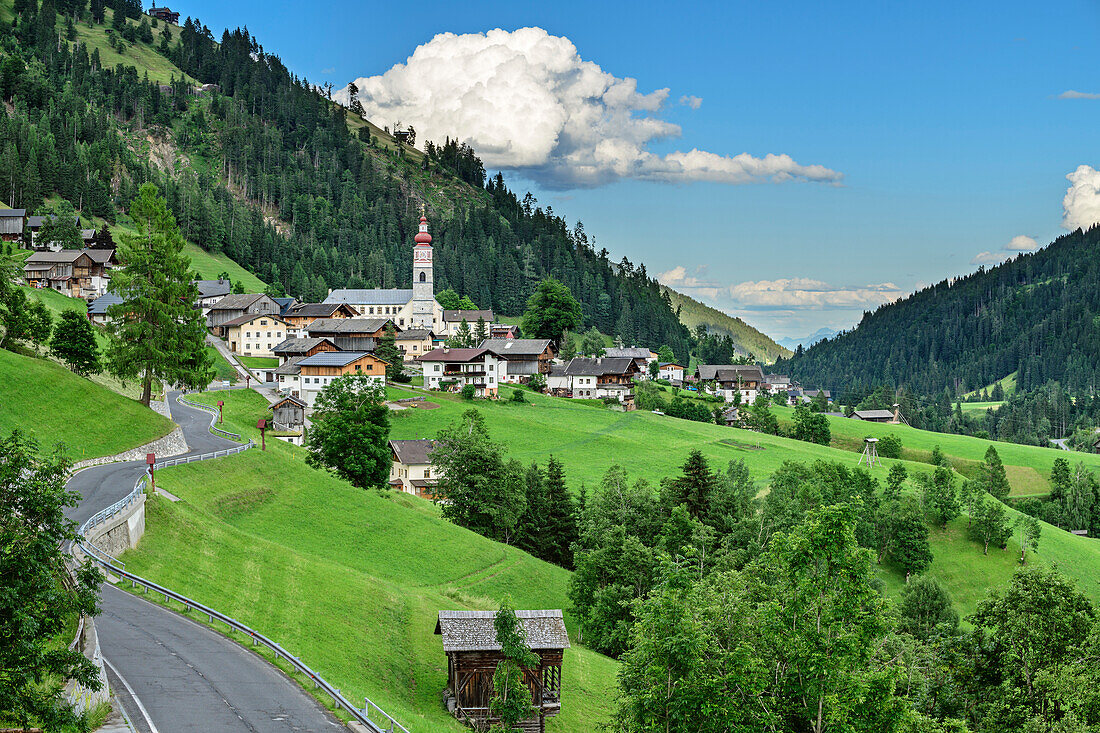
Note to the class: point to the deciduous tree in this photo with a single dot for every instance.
(351, 426)
(551, 311)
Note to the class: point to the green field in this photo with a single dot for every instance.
(980, 407)
(349, 580)
(51, 403)
(1028, 466)
(208, 265)
(258, 362)
(1008, 384)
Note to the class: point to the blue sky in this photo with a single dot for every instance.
(938, 128)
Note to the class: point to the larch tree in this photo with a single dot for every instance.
(156, 332)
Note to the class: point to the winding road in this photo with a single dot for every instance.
(172, 673)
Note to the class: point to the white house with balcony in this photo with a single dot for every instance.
(453, 369)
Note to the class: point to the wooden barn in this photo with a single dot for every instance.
(289, 414)
(470, 642)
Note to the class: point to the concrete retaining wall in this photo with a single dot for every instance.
(122, 531)
(79, 696)
(172, 444)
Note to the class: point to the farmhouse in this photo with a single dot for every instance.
(809, 394)
(415, 342)
(876, 416)
(602, 377)
(469, 640)
(411, 470)
(301, 347)
(317, 372)
(233, 306)
(255, 334)
(452, 321)
(747, 379)
(12, 222)
(299, 316)
(78, 273)
(778, 382)
(288, 413)
(453, 369)
(34, 223)
(523, 358)
(210, 292)
(97, 309)
(349, 334)
(641, 357)
(503, 331)
(671, 371)
(166, 14)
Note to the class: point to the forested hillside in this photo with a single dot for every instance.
(270, 173)
(750, 341)
(1037, 316)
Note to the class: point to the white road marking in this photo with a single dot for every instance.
(133, 695)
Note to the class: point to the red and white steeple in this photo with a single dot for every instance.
(423, 306)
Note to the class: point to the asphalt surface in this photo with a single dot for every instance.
(172, 673)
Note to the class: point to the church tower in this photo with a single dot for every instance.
(423, 305)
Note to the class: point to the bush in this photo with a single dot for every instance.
(517, 395)
(468, 392)
(537, 382)
(402, 378)
(889, 446)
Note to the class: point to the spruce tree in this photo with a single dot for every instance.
(994, 479)
(562, 517)
(74, 343)
(693, 487)
(388, 352)
(156, 333)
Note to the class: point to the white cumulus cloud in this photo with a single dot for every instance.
(1071, 94)
(1022, 243)
(526, 101)
(989, 258)
(1081, 206)
(690, 100)
(801, 292)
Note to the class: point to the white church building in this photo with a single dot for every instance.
(408, 308)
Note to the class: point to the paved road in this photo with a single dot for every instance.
(1060, 442)
(172, 673)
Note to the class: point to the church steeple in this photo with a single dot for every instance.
(423, 307)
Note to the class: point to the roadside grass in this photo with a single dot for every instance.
(47, 401)
(258, 362)
(964, 452)
(349, 580)
(223, 370)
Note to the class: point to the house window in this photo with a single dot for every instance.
(437, 366)
(263, 323)
(423, 277)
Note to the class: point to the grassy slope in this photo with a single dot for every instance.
(208, 265)
(1008, 384)
(349, 580)
(980, 406)
(140, 55)
(692, 313)
(51, 403)
(1028, 466)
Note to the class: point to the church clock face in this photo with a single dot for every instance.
(422, 255)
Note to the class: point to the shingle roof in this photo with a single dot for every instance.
(873, 414)
(249, 317)
(100, 256)
(212, 288)
(413, 452)
(237, 301)
(12, 212)
(347, 325)
(370, 297)
(582, 366)
(298, 346)
(35, 222)
(290, 366)
(64, 255)
(415, 333)
(468, 631)
(631, 352)
(333, 358)
(297, 402)
(98, 307)
(730, 372)
(285, 304)
(470, 317)
(516, 347)
(454, 355)
(315, 310)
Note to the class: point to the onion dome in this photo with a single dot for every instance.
(422, 236)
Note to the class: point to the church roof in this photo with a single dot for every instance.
(373, 296)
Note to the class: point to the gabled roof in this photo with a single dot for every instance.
(670, 364)
(348, 325)
(237, 302)
(470, 317)
(5, 213)
(415, 334)
(212, 288)
(293, 400)
(583, 366)
(370, 296)
(335, 358)
(299, 346)
(413, 452)
(631, 352)
(730, 372)
(101, 256)
(452, 356)
(873, 414)
(99, 306)
(816, 392)
(249, 317)
(317, 310)
(285, 304)
(516, 347)
(469, 631)
(63, 255)
(35, 222)
(290, 366)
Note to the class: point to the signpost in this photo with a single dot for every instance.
(262, 425)
(150, 458)
(220, 403)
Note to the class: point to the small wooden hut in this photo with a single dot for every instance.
(473, 653)
(289, 414)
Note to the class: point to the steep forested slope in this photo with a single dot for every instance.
(1037, 316)
(270, 173)
(693, 314)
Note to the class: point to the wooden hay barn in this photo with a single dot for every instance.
(470, 643)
